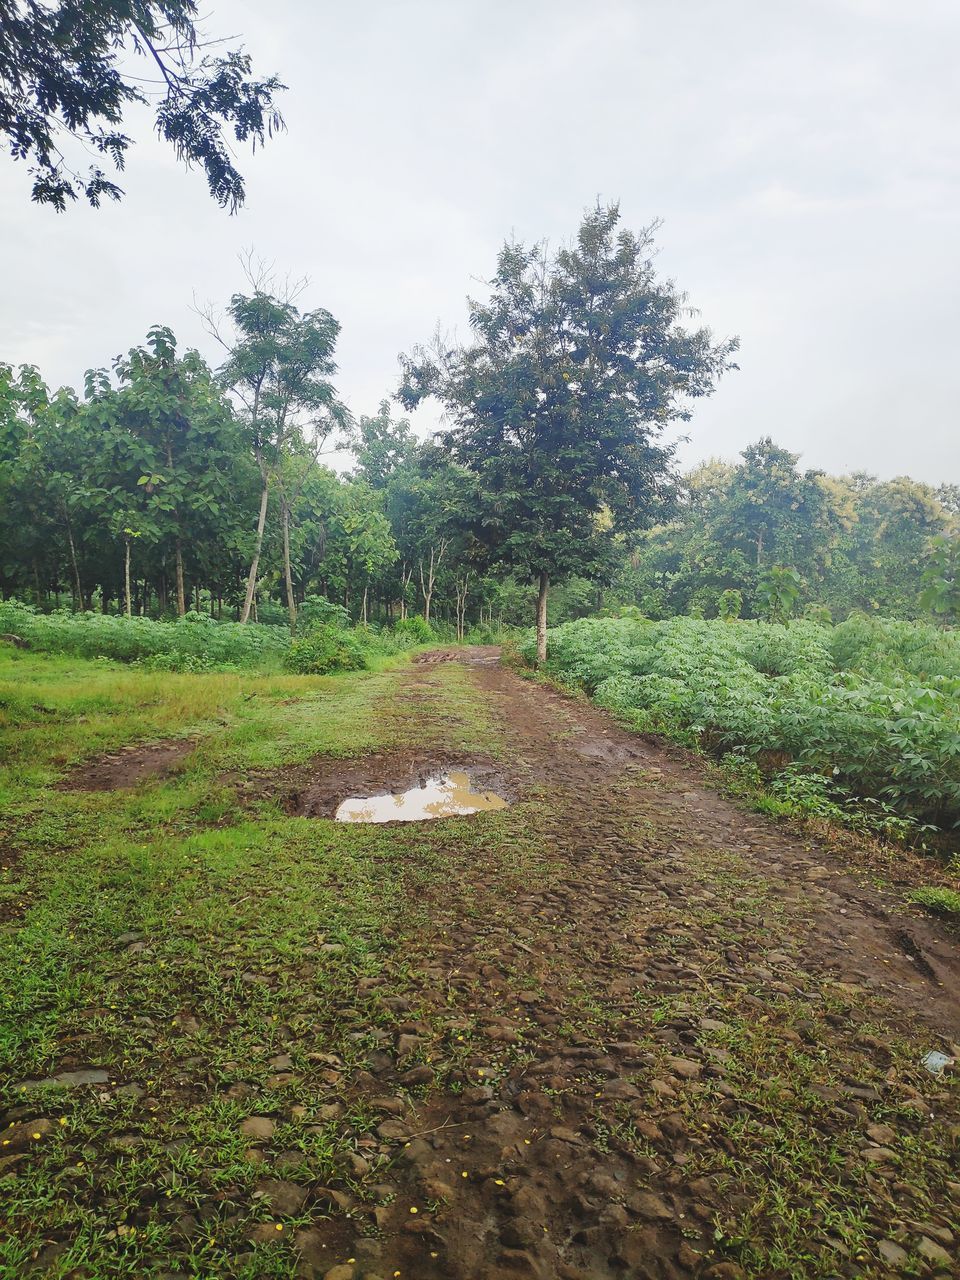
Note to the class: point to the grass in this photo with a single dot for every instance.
(254, 931)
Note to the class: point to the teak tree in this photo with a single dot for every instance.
(578, 362)
(63, 71)
(279, 365)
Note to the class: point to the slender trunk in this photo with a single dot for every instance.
(363, 611)
(126, 578)
(77, 588)
(181, 597)
(287, 571)
(255, 564)
(542, 617)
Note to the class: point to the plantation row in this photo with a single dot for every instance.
(866, 712)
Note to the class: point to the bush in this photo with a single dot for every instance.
(869, 709)
(317, 609)
(325, 648)
(96, 635)
(415, 629)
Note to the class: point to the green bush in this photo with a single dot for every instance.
(415, 630)
(870, 706)
(325, 648)
(208, 644)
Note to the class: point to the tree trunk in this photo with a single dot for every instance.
(542, 617)
(255, 563)
(287, 570)
(363, 610)
(181, 597)
(126, 578)
(77, 588)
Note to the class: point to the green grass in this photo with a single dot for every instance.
(258, 931)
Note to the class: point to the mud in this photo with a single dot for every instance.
(122, 770)
(318, 789)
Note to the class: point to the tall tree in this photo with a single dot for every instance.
(65, 69)
(279, 366)
(578, 362)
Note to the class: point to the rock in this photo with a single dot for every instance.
(284, 1198)
(662, 1089)
(684, 1067)
(621, 1090)
(726, 1271)
(646, 1205)
(563, 1134)
(417, 1075)
(934, 1252)
(261, 1127)
(392, 1130)
(892, 1254)
(282, 1062)
(268, 1233)
(407, 1044)
(881, 1134)
(342, 1272)
(879, 1155)
(71, 1079)
(21, 1136)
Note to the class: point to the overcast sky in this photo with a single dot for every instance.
(802, 154)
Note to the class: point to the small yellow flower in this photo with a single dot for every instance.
(279, 1226)
(499, 1182)
(414, 1209)
(464, 1174)
(36, 1135)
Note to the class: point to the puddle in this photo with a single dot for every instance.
(445, 795)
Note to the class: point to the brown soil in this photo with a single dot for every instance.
(127, 768)
(598, 1153)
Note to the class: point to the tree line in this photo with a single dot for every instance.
(765, 537)
(167, 484)
(166, 479)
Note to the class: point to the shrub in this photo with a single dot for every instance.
(325, 648)
(868, 710)
(415, 629)
(96, 635)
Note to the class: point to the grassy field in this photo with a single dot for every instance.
(168, 925)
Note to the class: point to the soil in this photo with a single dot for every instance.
(120, 770)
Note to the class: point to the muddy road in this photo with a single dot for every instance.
(694, 1043)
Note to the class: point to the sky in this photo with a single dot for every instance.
(802, 156)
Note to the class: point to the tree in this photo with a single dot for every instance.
(778, 591)
(381, 445)
(279, 365)
(579, 360)
(63, 69)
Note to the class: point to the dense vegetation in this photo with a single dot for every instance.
(867, 711)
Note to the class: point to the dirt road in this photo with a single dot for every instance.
(693, 1046)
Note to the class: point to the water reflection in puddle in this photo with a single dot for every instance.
(445, 796)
